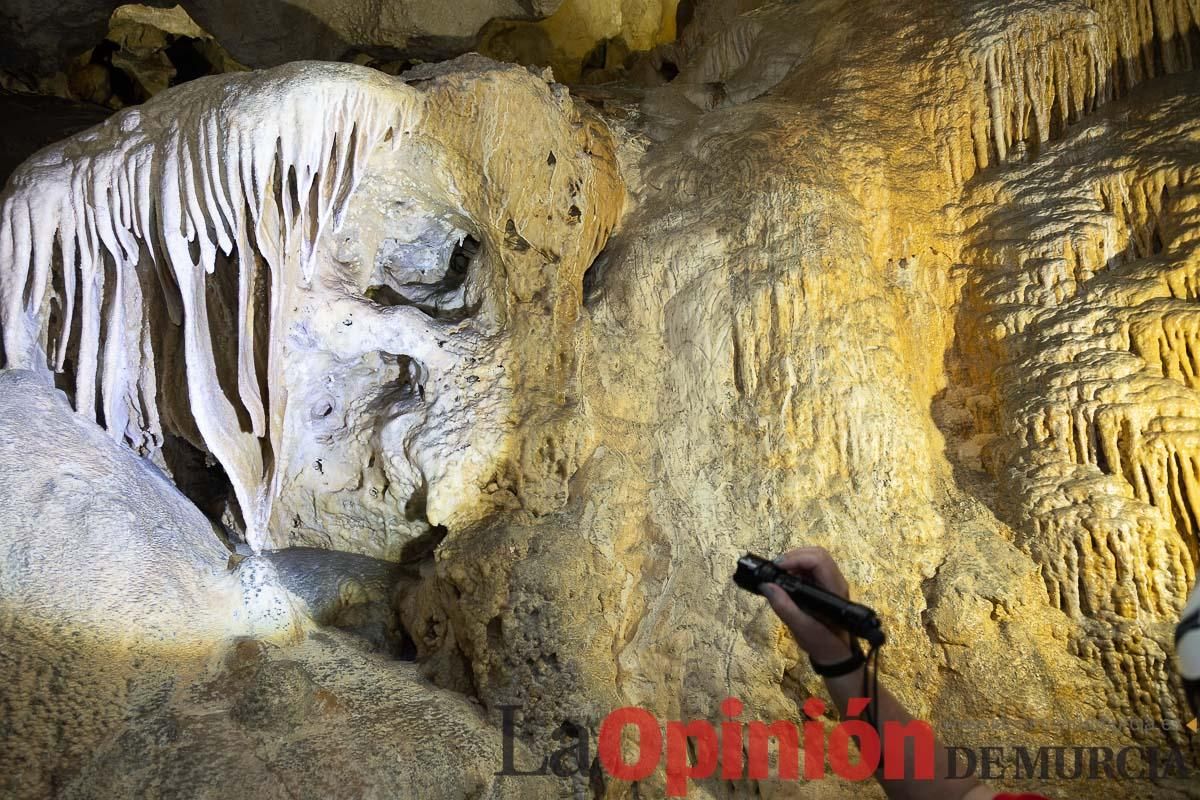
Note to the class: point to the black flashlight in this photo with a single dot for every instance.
(855, 618)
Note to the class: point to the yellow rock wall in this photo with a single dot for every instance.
(914, 281)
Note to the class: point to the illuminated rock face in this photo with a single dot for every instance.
(349, 362)
(1083, 267)
(117, 603)
(86, 501)
(586, 40)
(911, 281)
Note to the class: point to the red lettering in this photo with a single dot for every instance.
(787, 738)
(678, 769)
(814, 739)
(868, 749)
(649, 743)
(731, 740)
(894, 734)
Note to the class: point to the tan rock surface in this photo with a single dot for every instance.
(582, 39)
(907, 280)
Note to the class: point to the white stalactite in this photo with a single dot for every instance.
(242, 167)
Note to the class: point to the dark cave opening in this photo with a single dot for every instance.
(202, 479)
(440, 294)
(188, 57)
(593, 277)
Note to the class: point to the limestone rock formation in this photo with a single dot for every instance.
(40, 37)
(1086, 413)
(139, 555)
(908, 280)
(582, 39)
(136, 659)
(355, 386)
(145, 51)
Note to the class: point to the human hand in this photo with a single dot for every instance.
(823, 644)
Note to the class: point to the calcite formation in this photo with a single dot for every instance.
(912, 281)
(1080, 292)
(152, 626)
(363, 376)
(145, 51)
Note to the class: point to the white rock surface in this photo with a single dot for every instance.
(136, 661)
(347, 403)
(97, 539)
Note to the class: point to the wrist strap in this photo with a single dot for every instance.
(856, 660)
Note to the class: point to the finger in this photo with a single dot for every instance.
(809, 632)
(817, 562)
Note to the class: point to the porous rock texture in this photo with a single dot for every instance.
(136, 660)
(908, 280)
